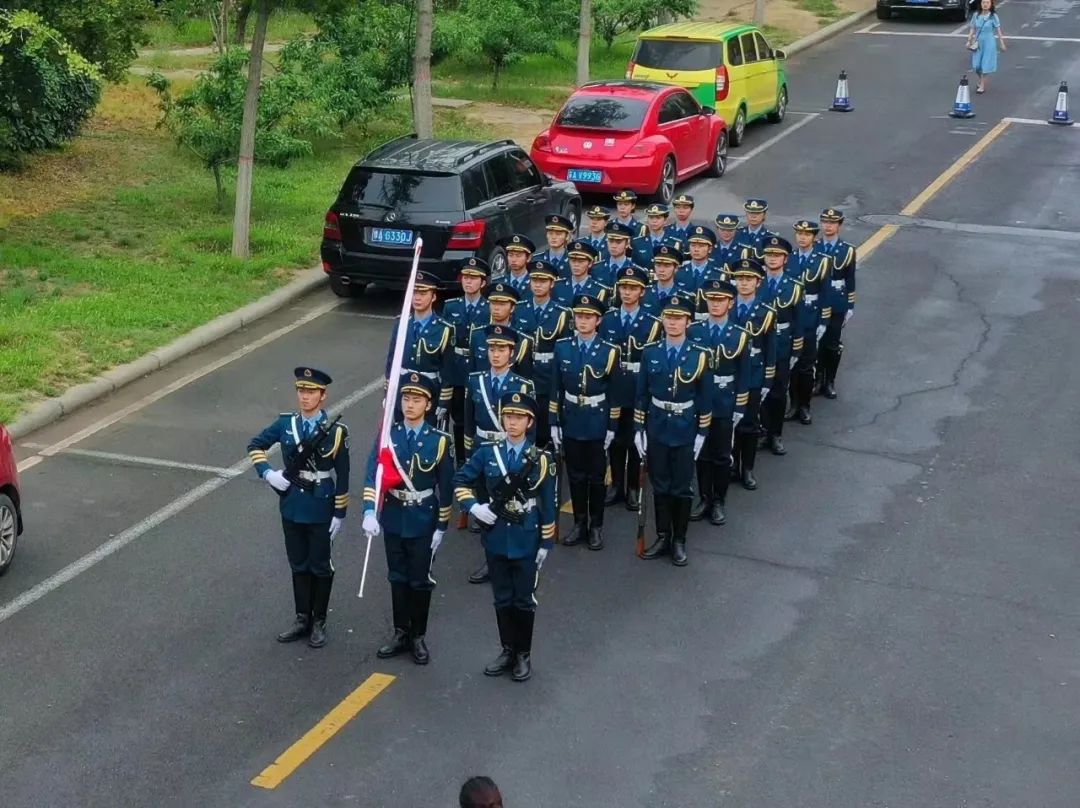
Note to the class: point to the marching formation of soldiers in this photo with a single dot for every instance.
(664, 348)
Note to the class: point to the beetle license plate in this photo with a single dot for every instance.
(584, 175)
(396, 238)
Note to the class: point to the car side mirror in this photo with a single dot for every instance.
(708, 111)
(546, 179)
(779, 54)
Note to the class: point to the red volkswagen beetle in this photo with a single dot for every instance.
(640, 135)
(10, 513)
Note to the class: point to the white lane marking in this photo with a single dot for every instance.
(1009, 38)
(367, 315)
(868, 28)
(158, 517)
(168, 389)
(1038, 122)
(30, 462)
(139, 460)
(754, 152)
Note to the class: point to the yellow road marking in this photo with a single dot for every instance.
(292, 758)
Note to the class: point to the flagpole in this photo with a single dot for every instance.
(390, 399)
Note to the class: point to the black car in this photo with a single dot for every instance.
(958, 10)
(461, 197)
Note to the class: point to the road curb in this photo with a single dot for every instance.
(829, 31)
(112, 380)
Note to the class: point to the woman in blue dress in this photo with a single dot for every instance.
(985, 28)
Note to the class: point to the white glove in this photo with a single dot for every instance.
(440, 413)
(483, 513)
(436, 540)
(608, 438)
(370, 524)
(556, 437)
(765, 392)
(735, 419)
(541, 554)
(335, 526)
(848, 315)
(820, 332)
(640, 443)
(277, 480)
(699, 441)
(794, 361)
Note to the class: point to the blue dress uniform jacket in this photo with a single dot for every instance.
(478, 356)
(606, 272)
(840, 293)
(330, 495)
(599, 244)
(482, 412)
(785, 303)
(729, 355)
(812, 269)
(753, 241)
(653, 299)
(461, 320)
(643, 247)
(644, 328)
(489, 465)
(673, 401)
(415, 513)
(677, 232)
(692, 276)
(759, 322)
(565, 291)
(560, 263)
(521, 284)
(550, 324)
(429, 352)
(726, 254)
(581, 402)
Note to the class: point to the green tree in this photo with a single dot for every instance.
(615, 17)
(500, 31)
(47, 90)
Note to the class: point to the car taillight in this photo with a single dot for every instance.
(630, 70)
(467, 235)
(643, 149)
(722, 84)
(326, 267)
(331, 228)
(542, 143)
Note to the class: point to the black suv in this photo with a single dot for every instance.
(461, 197)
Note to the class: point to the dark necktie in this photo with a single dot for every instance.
(513, 457)
(415, 329)
(673, 355)
(715, 331)
(742, 310)
(469, 309)
(772, 286)
(305, 431)
(495, 385)
(584, 348)
(626, 322)
(410, 443)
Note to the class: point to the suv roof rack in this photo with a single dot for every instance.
(469, 155)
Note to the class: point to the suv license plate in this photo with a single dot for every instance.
(398, 238)
(584, 175)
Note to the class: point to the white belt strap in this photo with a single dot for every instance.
(585, 401)
(837, 284)
(315, 476)
(633, 367)
(723, 381)
(490, 434)
(672, 406)
(782, 326)
(487, 400)
(810, 298)
(410, 497)
(429, 374)
(461, 351)
(754, 351)
(544, 357)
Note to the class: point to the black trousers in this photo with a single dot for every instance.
(408, 561)
(586, 466)
(747, 432)
(625, 463)
(772, 409)
(802, 377)
(671, 469)
(308, 547)
(831, 339)
(457, 415)
(513, 581)
(714, 462)
(543, 421)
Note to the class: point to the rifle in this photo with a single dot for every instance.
(303, 457)
(503, 501)
(641, 515)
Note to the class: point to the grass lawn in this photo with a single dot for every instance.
(826, 10)
(194, 33)
(113, 246)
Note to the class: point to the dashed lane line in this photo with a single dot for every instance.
(738, 160)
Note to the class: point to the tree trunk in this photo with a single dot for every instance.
(584, 41)
(243, 9)
(220, 187)
(423, 117)
(496, 65)
(759, 12)
(246, 161)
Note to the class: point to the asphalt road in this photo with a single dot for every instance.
(890, 620)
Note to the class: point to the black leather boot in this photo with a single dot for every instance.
(776, 445)
(748, 453)
(505, 660)
(320, 605)
(301, 627)
(680, 517)
(633, 499)
(399, 643)
(420, 602)
(480, 576)
(523, 621)
(704, 486)
(579, 503)
(596, 516)
(617, 464)
(717, 514)
(803, 389)
(662, 545)
(831, 363)
(613, 496)
(577, 534)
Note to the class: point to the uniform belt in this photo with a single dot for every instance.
(633, 367)
(754, 351)
(701, 316)
(410, 497)
(315, 476)
(782, 326)
(723, 381)
(544, 357)
(528, 504)
(461, 351)
(491, 434)
(810, 298)
(428, 374)
(837, 284)
(586, 401)
(672, 406)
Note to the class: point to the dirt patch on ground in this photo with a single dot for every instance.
(779, 13)
(512, 122)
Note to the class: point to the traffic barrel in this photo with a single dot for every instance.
(842, 100)
(1061, 107)
(962, 105)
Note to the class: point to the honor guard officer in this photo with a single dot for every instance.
(683, 207)
(583, 417)
(665, 262)
(840, 297)
(729, 349)
(728, 248)
(754, 234)
(502, 301)
(429, 345)
(597, 235)
(700, 266)
(783, 292)
(672, 416)
(631, 328)
(609, 270)
(485, 388)
(559, 229)
(462, 313)
(625, 205)
(582, 256)
(552, 322)
(519, 250)
(811, 266)
(519, 527)
(415, 514)
(754, 315)
(644, 246)
(314, 492)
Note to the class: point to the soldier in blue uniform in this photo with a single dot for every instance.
(559, 229)
(839, 297)
(753, 235)
(625, 205)
(314, 495)
(672, 416)
(729, 350)
(551, 322)
(519, 249)
(699, 266)
(811, 266)
(644, 246)
(665, 262)
(580, 282)
(617, 257)
(521, 477)
(429, 346)
(597, 236)
(757, 318)
(728, 248)
(462, 313)
(683, 208)
(485, 388)
(502, 302)
(415, 514)
(783, 292)
(583, 417)
(631, 328)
